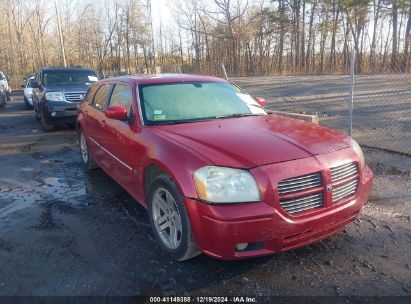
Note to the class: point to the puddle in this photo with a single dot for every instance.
(59, 190)
(14, 197)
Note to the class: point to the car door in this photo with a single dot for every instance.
(118, 137)
(95, 120)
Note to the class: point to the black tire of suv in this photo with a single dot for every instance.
(44, 124)
(36, 114)
(8, 96)
(187, 248)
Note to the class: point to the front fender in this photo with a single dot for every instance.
(177, 160)
(80, 122)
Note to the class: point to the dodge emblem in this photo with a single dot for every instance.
(329, 187)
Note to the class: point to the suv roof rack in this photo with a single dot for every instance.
(62, 67)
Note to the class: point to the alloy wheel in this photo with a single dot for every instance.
(167, 218)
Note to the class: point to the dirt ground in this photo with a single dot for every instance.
(65, 231)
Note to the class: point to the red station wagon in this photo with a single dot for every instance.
(217, 173)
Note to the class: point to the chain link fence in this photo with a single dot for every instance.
(381, 103)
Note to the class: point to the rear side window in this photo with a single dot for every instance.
(121, 96)
(100, 98)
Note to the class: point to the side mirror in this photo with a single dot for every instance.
(116, 112)
(22, 86)
(261, 101)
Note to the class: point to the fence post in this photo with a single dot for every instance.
(224, 71)
(351, 101)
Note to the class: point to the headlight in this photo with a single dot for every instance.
(356, 147)
(226, 185)
(55, 96)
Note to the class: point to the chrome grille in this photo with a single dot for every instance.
(344, 190)
(303, 203)
(73, 97)
(340, 173)
(343, 171)
(299, 183)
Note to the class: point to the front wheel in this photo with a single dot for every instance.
(169, 220)
(44, 124)
(36, 115)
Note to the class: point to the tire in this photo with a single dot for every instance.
(36, 114)
(8, 96)
(86, 156)
(169, 220)
(27, 104)
(2, 101)
(44, 124)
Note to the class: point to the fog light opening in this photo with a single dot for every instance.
(241, 246)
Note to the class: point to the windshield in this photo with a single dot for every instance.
(193, 101)
(62, 78)
(31, 82)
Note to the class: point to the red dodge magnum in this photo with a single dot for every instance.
(217, 173)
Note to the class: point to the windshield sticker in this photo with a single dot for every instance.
(92, 78)
(252, 104)
(159, 117)
(158, 112)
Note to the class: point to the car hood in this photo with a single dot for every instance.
(249, 142)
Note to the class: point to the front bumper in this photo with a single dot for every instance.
(60, 113)
(268, 228)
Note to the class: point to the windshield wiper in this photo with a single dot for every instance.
(176, 122)
(236, 115)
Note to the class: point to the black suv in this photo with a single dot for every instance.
(57, 92)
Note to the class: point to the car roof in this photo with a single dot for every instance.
(65, 69)
(164, 78)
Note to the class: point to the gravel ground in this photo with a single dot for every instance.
(65, 231)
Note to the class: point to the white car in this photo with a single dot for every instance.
(28, 92)
(4, 84)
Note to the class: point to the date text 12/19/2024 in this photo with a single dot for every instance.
(201, 299)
